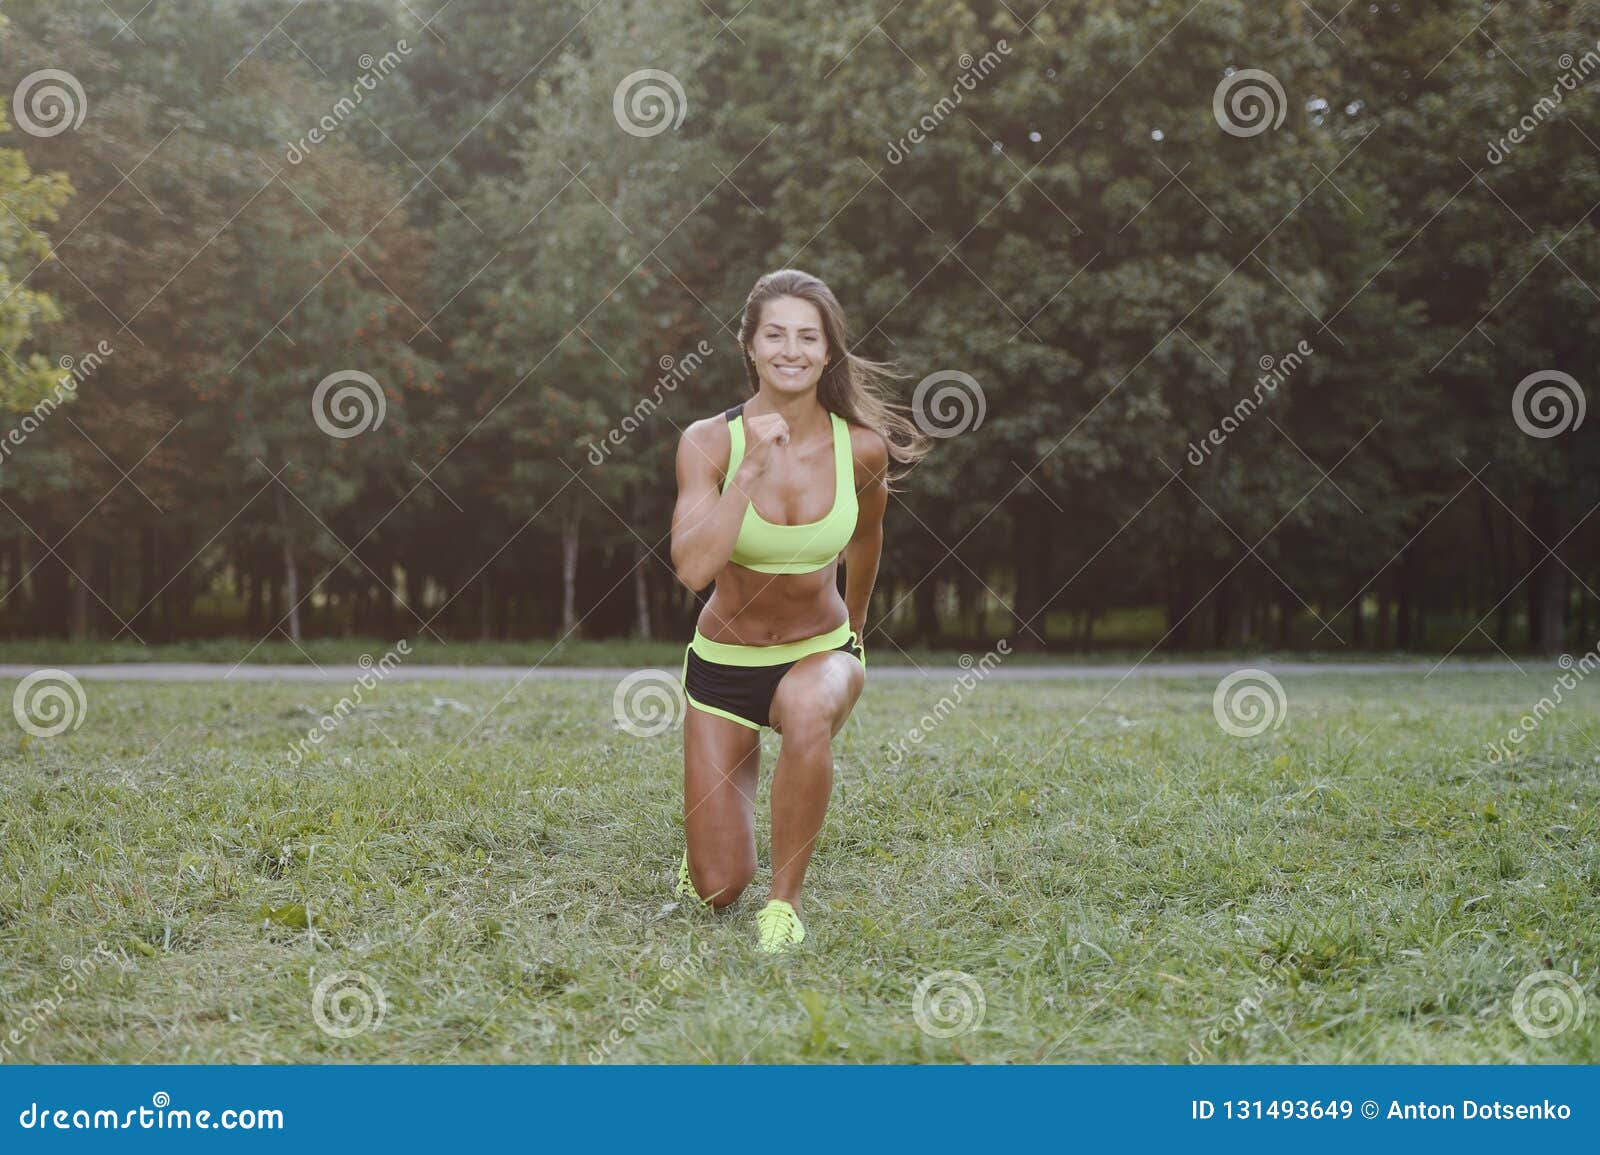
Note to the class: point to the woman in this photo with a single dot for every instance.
(772, 494)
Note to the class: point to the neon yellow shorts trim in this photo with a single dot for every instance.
(737, 682)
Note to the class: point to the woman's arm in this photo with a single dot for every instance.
(705, 523)
(861, 555)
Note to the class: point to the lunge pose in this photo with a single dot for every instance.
(772, 494)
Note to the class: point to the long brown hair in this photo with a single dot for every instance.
(851, 386)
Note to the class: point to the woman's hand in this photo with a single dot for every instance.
(762, 433)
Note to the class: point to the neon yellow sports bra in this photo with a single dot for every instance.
(769, 548)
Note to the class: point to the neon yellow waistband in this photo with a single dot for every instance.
(730, 654)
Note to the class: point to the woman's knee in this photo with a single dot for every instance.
(808, 722)
(721, 883)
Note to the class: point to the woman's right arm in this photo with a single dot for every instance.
(705, 523)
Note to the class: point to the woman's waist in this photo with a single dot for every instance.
(774, 621)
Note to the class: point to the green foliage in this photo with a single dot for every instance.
(1046, 203)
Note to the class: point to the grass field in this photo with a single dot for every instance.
(1358, 885)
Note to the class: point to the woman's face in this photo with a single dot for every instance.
(789, 347)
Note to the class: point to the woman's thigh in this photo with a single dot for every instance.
(721, 766)
(821, 689)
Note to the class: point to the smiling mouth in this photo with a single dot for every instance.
(790, 370)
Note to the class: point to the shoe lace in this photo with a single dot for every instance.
(776, 924)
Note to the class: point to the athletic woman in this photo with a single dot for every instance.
(772, 494)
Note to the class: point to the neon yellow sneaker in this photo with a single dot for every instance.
(685, 888)
(780, 927)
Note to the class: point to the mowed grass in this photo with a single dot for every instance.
(1358, 885)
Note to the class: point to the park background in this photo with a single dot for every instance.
(346, 348)
(1044, 201)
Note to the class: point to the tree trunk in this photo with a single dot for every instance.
(926, 600)
(1548, 587)
(569, 573)
(1026, 544)
(291, 576)
(1402, 623)
(78, 624)
(641, 592)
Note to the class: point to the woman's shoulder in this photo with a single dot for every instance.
(710, 438)
(870, 449)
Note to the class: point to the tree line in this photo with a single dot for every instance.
(352, 318)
